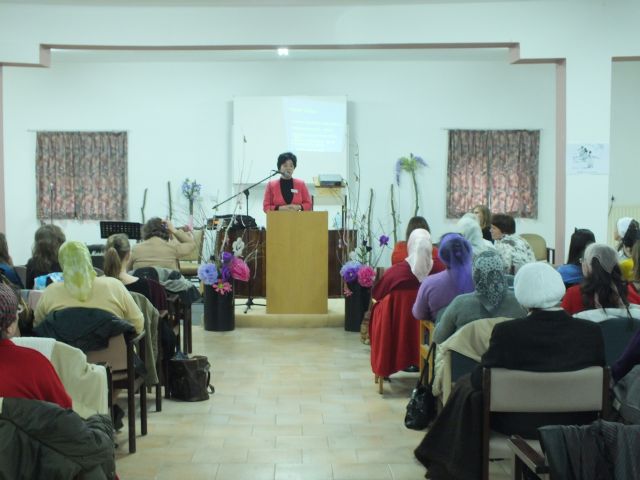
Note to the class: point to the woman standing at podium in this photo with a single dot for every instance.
(286, 192)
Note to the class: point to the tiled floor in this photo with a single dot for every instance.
(289, 404)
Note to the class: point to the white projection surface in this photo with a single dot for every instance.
(313, 128)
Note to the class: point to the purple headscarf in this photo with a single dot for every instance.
(456, 253)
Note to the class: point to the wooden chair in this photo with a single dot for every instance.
(516, 391)
(427, 328)
(119, 355)
(179, 312)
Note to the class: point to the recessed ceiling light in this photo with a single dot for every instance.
(283, 52)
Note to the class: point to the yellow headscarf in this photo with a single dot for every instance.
(78, 271)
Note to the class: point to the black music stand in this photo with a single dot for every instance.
(132, 229)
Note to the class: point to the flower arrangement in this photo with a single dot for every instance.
(219, 274)
(358, 269)
(410, 164)
(191, 191)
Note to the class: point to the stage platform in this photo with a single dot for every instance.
(258, 317)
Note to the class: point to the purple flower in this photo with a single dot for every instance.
(419, 160)
(384, 240)
(208, 273)
(349, 271)
(225, 273)
(227, 257)
(398, 170)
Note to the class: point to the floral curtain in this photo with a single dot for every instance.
(497, 168)
(82, 175)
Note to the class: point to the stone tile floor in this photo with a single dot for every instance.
(295, 403)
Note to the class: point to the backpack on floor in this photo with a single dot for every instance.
(190, 378)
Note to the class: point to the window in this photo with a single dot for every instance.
(497, 168)
(81, 175)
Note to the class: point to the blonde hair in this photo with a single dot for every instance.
(118, 248)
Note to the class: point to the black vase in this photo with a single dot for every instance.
(355, 306)
(219, 311)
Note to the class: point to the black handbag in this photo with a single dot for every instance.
(421, 409)
(190, 378)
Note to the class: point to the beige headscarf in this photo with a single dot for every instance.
(77, 269)
(419, 248)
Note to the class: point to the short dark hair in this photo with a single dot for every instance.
(283, 157)
(504, 222)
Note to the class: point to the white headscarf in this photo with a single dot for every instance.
(538, 285)
(419, 248)
(623, 225)
(469, 228)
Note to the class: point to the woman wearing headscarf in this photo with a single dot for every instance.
(546, 340)
(411, 271)
(622, 225)
(469, 228)
(492, 298)
(400, 251)
(571, 272)
(437, 291)
(603, 286)
(81, 288)
(393, 330)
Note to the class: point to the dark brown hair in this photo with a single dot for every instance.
(415, 223)
(44, 254)
(504, 222)
(4, 250)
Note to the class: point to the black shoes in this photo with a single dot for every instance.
(412, 369)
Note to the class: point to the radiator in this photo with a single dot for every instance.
(615, 213)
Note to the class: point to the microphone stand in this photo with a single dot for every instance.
(249, 303)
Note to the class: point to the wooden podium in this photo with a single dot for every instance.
(297, 250)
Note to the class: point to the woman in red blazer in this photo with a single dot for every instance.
(286, 192)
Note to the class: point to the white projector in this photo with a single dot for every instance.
(330, 180)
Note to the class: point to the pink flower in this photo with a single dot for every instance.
(222, 287)
(347, 292)
(366, 276)
(239, 269)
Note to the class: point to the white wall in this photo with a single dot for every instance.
(625, 133)
(178, 116)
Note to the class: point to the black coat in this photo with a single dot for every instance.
(544, 341)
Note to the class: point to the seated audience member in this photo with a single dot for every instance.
(602, 286)
(515, 251)
(483, 214)
(469, 228)
(24, 372)
(400, 249)
(491, 298)
(163, 246)
(437, 291)
(411, 271)
(81, 288)
(631, 237)
(622, 225)
(6, 264)
(571, 272)
(44, 255)
(547, 340)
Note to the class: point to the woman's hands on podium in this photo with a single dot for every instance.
(291, 208)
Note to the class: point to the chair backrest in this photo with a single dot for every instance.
(21, 270)
(196, 253)
(538, 245)
(115, 354)
(528, 392)
(617, 333)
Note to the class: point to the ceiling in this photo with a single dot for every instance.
(248, 3)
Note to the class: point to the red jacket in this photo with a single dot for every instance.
(26, 373)
(400, 253)
(273, 195)
(572, 301)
